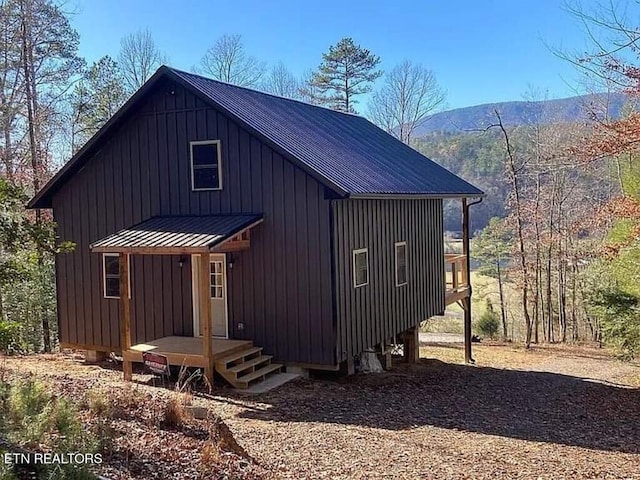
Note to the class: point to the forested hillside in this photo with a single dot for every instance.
(578, 109)
(479, 159)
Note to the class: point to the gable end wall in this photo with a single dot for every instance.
(280, 288)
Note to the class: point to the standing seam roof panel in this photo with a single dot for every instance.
(179, 232)
(346, 149)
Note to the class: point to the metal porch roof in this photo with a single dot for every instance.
(176, 234)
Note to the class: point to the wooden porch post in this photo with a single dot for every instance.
(205, 313)
(466, 302)
(125, 317)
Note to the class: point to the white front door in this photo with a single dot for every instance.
(218, 295)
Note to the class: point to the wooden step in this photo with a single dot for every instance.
(243, 382)
(241, 355)
(249, 364)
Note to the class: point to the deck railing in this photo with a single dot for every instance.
(456, 277)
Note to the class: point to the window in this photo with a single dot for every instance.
(401, 263)
(217, 276)
(360, 267)
(206, 165)
(111, 273)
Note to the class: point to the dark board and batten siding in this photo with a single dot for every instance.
(375, 312)
(280, 288)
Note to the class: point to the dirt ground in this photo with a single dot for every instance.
(549, 412)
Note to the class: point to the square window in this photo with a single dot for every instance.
(112, 287)
(205, 165)
(112, 265)
(205, 178)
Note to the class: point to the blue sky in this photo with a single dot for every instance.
(481, 50)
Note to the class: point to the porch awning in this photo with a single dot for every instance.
(184, 234)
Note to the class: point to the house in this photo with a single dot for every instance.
(229, 229)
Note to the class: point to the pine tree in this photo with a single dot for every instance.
(491, 248)
(49, 61)
(96, 98)
(346, 71)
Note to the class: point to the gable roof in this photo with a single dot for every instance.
(345, 152)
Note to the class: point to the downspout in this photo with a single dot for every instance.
(334, 304)
(468, 358)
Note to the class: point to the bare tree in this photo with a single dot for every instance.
(409, 94)
(48, 60)
(609, 28)
(139, 57)
(228, 62)
(11, 87)
(513, 169)
(308, 91)
(280, 81)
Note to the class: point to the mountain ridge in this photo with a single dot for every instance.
(522, 112)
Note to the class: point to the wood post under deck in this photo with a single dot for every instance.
(125, 316)
(411, 341)
(205, 314)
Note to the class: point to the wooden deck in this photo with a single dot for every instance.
(186, 350)
(456, 278)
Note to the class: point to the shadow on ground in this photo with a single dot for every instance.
(537, 406)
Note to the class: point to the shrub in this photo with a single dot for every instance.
(36, 420)
(98, 402)
(619, 314)
(489, 322)
(9, 337)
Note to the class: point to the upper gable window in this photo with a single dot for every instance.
(206, 165)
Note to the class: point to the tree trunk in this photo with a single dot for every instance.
(574, 317)
(512, 172)
(536, 305)
(34, 138)
(1, 307)
(503, 312)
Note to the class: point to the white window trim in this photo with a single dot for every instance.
(219, 150)
(406, 263)
(104, 273)
(355, 253)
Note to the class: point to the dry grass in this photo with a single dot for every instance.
(549, 412)
(174, 413)
(488, 354)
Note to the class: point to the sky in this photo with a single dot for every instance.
(481, 51)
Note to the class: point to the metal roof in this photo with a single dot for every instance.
(345, 152)
(176, 234)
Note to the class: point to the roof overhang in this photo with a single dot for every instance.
(415, 196)
(177, 235)
(44, 197)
